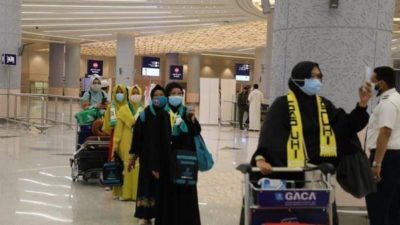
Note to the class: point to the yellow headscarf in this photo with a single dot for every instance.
(115, 105)
(131, 89)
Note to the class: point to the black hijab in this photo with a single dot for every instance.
(300, 72)
(171, 86)
(157, 87)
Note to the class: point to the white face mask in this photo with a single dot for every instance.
(135, 98)
(96, 87)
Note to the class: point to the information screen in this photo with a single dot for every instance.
(95, 67)
(242, 72)
(176, 73)
(151, 66)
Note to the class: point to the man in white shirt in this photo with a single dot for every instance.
(383, 140)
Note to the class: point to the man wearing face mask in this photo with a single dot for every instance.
(383, 140)
(303, 126)
(146, 139)
(95, 97)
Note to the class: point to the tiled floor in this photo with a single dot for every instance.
(36, 188)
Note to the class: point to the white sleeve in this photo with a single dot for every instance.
(387, 115)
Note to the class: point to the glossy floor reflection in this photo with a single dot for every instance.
(36, 188)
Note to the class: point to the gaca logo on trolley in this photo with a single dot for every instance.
(296, 196)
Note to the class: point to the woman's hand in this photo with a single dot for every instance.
(156, 174)
(131, 164)
(265, 167)
(365, 93)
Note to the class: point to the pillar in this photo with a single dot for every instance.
(56, 68)
(259, 68)
(10, 42)
(72, 69)
(125, 59)
(193, 78)
(172, 59)
(343, 41)
(266, 79)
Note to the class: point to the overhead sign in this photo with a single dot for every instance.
(9, 59)
(243, 72)
(151, 66)
(95, 67)
(176, 72)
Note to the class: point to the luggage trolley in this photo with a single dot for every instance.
(90, 154)
(305, 202)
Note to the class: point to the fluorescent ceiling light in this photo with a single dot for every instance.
(113, 1)
(228, 56)
(100, 18)
(396, 19)
(92, 6)
(131, 28)
(42, 40)
(112, 23)
(245, 49)
(55, 36)
(100, 13)
(393, 48)
(95, 35)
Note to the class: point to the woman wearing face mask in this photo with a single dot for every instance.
(147, 137)
(126, 118)
(119, 99)
(176, 204)
(303, 126)
(95, 97)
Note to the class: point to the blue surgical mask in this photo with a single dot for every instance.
(175, 100)
(159, 101)
(376, 89)
(119, 97)
(311, 86)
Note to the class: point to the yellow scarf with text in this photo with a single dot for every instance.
(296, 144)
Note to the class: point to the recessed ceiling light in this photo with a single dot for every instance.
(112, 23)
(95, 35)
(130, 28)
(99, 18)
(99, 12)
(91, 6)
(396, 19)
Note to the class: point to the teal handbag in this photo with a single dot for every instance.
(204, 158)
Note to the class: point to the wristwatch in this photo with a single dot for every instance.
(376, 164)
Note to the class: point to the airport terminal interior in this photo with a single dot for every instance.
(54, 51)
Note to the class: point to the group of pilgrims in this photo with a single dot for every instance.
(144, 138)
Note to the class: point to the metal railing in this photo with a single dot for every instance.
(39, 110)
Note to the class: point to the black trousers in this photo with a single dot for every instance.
(242, 110)
(384, 205)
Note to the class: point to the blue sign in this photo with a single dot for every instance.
(95, 67)
(176, 72)
(9, 59)
(287, 198)
(242, 72)
(151, 66)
